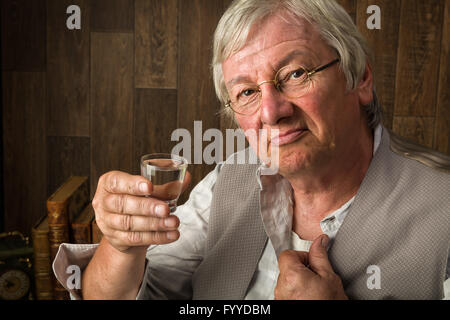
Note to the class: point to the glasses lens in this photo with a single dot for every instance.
(293, 81)
(245, 98)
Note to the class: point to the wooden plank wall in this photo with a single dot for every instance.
(87, 101)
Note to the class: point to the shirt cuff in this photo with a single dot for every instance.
(76, 256)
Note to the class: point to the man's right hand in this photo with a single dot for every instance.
(128, 220)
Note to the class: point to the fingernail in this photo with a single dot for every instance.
(325, 241)
(160, 210)
(172, 235)
(143, 187)
(169, 223)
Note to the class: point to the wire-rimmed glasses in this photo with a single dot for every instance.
(293, 81)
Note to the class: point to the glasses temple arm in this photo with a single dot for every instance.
(324, 67)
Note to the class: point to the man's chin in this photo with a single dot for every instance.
(291, 163)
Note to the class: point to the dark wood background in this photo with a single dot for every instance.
(83, 102)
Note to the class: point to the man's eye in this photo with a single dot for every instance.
(246, 93)
(297, 74)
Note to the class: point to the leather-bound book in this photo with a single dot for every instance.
(81, 227)
(96, 233)
(63, 207)
(41, 260)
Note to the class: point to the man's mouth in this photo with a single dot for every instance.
(288, 137)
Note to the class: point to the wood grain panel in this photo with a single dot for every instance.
(417, 129)
(67, 71)
(349, 6)
(111, 103)
(384, 45)
(156, 43)
(442, 129)
(112, 15)
(66, 156)
(23, 35)
(154, 121)
(418, 57)
(196, 98)
(24, 167)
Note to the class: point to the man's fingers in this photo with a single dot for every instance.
(123, 183)
(292, 258)
(129, 204)
(318, 256)
(137, 238)
(126, 222)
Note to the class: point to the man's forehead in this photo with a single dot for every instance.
(276, 30)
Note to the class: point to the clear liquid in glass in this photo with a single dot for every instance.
(167, 177)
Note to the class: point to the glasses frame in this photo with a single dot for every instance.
(276, 83)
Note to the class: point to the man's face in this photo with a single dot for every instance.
(314, 129)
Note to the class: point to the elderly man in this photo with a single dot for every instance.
(347, 216)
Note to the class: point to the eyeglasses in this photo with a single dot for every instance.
(292, 81)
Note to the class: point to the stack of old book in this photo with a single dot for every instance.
(70, 219)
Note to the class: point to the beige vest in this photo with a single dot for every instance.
(398, 222)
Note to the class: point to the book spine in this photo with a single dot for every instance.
(81, 233)
(42, 265)
(58, 226)
(58, 233)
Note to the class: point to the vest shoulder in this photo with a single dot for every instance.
(410, 150)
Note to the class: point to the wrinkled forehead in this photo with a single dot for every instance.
(276, 30)
(271, 44)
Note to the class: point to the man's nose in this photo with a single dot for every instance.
(274, 106)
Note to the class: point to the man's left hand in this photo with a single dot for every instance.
(308, 276)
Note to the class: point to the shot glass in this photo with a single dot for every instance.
(166, 172)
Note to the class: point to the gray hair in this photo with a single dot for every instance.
(331, 20)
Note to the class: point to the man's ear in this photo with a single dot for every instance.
(365, 87)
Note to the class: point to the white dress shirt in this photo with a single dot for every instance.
(170, 267)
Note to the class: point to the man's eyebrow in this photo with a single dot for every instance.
(238, 79)
(288, 58)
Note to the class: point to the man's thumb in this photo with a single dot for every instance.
(318, 257)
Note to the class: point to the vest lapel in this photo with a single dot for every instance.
(236, 236)
(392, 229)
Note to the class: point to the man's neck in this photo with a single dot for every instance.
(324, 190)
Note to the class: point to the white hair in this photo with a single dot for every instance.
(328, 17)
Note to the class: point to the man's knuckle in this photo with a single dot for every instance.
(126, 222)
(96, 203)
(120, 203)
(156, 224)
(158, 237)
(130, 189)
(144, 205)
(113, 183)
(285, 257)
(134, 237)
(290, 276)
